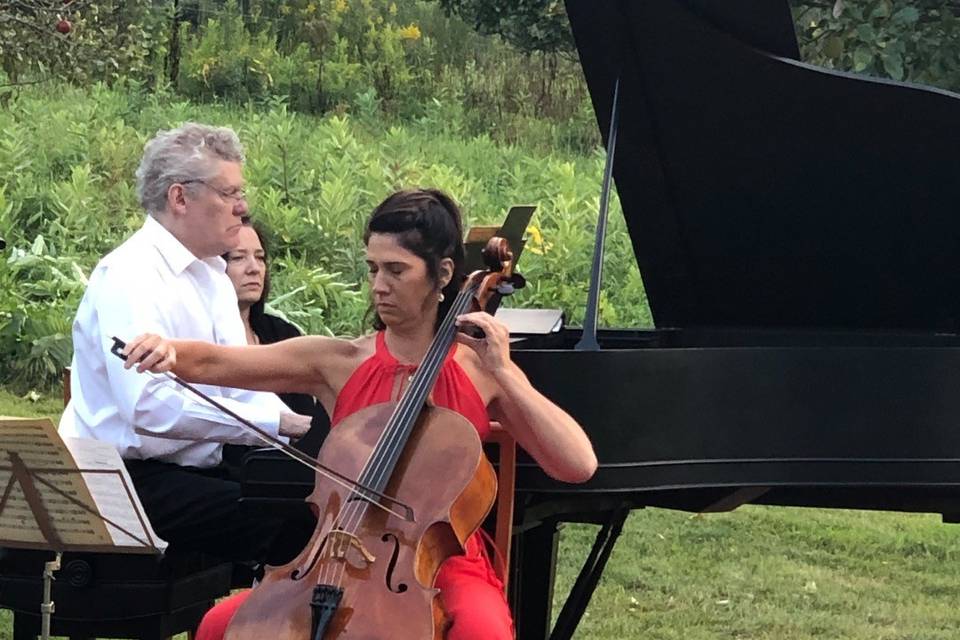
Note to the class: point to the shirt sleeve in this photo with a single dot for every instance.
(154, 405)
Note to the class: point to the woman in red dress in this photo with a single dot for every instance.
(415, 257)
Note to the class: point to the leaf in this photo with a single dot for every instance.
(908, 15)
(833, 47)
(882, 10)
(838, 8)
(893, 65)
(38, 246)
(862, 58)
(78, 273)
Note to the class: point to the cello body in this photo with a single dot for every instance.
(387, 565)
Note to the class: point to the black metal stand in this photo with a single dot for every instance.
(47, 606)
(534, 568)
(588, 339)
(589, 576)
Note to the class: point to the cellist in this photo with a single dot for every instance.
(415, 256)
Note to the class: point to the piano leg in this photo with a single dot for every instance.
(589, 576)
(531, 582)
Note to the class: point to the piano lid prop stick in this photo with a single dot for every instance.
(588, 340)
(347, 483)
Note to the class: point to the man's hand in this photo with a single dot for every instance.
(294, 425)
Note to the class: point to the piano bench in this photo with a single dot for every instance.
(112, 595)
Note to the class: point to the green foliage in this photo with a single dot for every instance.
(319, 54)
(67, 158)
(226, 60)
(35, 341)
(529, 25)
(397, 59)
(106, 40)
(897, 39)
(374, 59)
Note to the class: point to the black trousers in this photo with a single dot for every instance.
(199, 510)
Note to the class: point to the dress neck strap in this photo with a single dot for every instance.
(384, 355)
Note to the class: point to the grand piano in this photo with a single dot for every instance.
(798, 235)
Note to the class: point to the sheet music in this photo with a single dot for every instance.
(39, 446)
(109, 493)
(531, 321)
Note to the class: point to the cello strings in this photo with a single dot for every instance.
(391, 440)
(405, 411)
(431, 365)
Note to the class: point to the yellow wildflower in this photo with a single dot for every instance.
(535, 241)
(410, 32)
(340, 6)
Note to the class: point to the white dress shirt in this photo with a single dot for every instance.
(152, 283)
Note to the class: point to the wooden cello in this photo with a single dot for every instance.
(368, 571)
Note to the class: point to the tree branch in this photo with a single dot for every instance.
(21, 84)
(25, 23)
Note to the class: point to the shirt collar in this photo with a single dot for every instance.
(177, 256)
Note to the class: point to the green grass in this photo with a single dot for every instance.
(759, 573)
(767, 573)
(40, 406)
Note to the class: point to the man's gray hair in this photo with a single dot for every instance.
(182, 154)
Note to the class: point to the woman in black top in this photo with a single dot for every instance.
(247, 268)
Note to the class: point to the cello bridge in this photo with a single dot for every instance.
(339, 541)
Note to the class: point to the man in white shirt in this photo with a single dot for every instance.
(169, 278)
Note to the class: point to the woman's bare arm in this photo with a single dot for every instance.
(300, 364)
(547, 432)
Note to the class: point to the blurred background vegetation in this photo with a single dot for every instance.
(338, 102)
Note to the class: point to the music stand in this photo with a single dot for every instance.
(512, 229)
(47, 504)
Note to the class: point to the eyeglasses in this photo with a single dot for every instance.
(236, 194)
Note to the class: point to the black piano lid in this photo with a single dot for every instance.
(763, 192)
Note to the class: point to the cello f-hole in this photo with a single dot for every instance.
(391, 538)
(302, 571)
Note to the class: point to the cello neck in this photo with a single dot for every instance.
(398, 429)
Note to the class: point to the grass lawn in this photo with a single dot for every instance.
(759, 573)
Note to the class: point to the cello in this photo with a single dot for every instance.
(368, 570)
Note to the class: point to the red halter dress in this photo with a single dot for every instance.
(470, 590)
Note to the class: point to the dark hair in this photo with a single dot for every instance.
(428, 224)
(256, 309)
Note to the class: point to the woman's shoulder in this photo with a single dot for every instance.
(351, 350)
(331, 347)
(364, 346)
(337, 358)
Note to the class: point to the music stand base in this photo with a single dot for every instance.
(47, 607)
